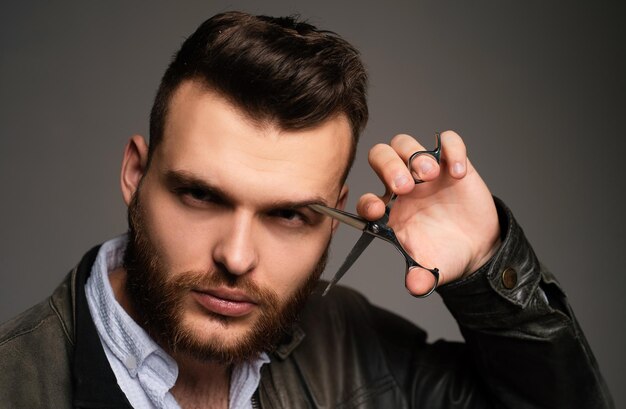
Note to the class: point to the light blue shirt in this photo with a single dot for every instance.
(144, 371)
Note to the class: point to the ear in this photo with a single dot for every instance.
(341, 203)
(133, 166)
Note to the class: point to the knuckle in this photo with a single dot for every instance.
(451, 137)
(400, 139)
(376, 151)
(456, 146)
(449, 133)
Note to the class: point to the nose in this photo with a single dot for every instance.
(235, 249)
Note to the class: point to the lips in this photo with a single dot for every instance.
(225, 302)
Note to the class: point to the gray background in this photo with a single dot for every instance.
(536, 90)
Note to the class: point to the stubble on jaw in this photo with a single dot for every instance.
(158, 296)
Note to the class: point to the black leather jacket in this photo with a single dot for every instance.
(523, 349)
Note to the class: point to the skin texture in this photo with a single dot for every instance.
(252, 224)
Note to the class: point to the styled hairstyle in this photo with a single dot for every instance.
(280, 70)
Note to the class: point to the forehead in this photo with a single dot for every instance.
(209, 137)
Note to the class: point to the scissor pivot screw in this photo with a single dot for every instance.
(375, 228)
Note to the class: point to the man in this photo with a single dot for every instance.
(211, 300)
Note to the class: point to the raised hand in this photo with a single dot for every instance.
(449, 221)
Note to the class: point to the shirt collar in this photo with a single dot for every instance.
(131, 345)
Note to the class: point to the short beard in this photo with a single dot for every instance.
(157, 297)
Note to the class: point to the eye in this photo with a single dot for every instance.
(291, 216)
(197, 196)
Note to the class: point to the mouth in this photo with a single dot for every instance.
(225, 302)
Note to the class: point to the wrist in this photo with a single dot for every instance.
(480, 261)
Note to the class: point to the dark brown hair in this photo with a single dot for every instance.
(280, 70)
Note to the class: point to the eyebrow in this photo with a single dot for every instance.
(182, 178)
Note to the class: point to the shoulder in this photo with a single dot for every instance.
(48, 314)
(36, 349)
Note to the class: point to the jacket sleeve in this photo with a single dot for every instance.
(524, 347)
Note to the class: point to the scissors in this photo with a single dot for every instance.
(379, 228)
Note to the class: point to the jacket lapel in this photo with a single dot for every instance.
(95, 385)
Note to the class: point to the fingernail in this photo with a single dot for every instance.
(401, 180)
(458, 168)
(425, 166)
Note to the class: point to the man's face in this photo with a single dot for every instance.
(223, 251)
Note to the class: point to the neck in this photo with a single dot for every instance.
(200, 384)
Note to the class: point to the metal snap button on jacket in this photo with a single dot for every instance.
(509, 278)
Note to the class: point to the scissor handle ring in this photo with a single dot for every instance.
(410, 262)
(433, 271)
(435, 153)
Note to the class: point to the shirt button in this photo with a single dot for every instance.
(131, 363)
(509, 278)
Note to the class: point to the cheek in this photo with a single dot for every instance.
(182, 240)
(288, 261)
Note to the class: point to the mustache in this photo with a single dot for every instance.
(218, 277)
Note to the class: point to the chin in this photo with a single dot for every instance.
(211, 337)
(207, 327)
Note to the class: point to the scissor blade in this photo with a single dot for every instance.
(344, 217)
(354, 254)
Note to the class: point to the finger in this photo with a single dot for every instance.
(370, 206)
(419, 281)
(454, 154)
(390, 168)
(423, 167)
